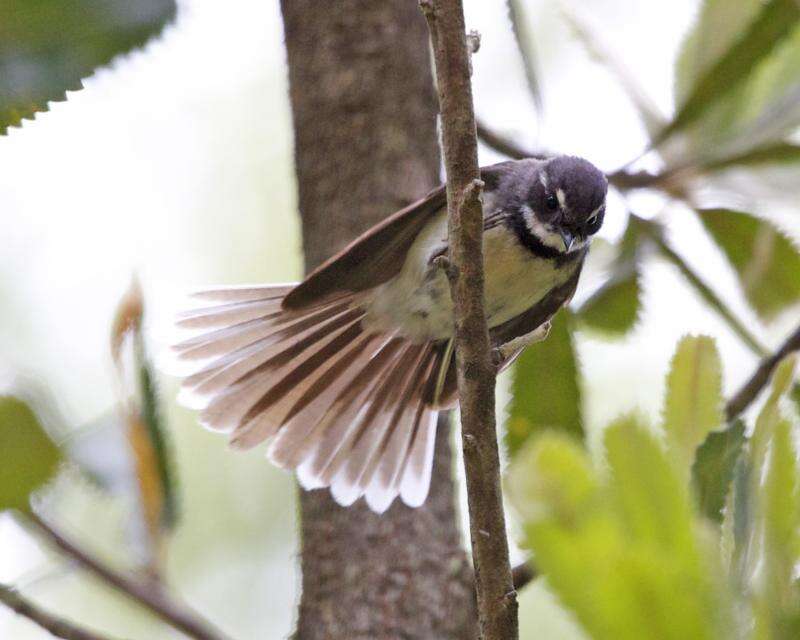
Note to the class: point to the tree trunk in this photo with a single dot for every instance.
(365, 145)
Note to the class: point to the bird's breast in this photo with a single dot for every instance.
(417, 304)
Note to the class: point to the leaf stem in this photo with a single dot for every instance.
(145, 593)
(54, 625)
(750, 390)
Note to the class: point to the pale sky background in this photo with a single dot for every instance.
(176, 163)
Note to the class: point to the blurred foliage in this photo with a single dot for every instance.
(546, 397)
(146, 431)
(629, 547)
(714, 465)
(28, 456)
(723, 87)
(48, 46)
(693, 404)
(737, 81)
(766, 261)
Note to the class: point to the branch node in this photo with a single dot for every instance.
(473, 41)
(472, 193)
(426, 6)
(443, 262)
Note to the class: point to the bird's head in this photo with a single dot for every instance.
(565, 203)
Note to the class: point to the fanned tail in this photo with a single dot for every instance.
(346, 408)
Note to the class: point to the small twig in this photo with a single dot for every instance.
(750, 390)
(497, 602)
(54, 625)
(623, 180)
(523, 574)
(156, 601)
(503, 145)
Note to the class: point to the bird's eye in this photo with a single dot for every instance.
(552, 202)
(593, 223)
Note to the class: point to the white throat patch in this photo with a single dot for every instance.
(546, 235)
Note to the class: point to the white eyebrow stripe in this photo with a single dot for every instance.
(543, 179)
(596, 211)
(562, 198)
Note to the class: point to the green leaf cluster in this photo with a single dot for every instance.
(688, 530)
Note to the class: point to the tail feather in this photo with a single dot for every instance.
(345, 407)
(251, 393)
(245, 292)
(307, 420)
(247, 361)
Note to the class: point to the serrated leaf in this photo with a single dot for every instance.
(774, 22)
(48, 46)
(614, 308)
(765, 260)
(693, 406)
(623, 556)
(781, 508)
(652, 500)
(712, 472)
(545, 387)
(28, 457)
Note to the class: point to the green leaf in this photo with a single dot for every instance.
(619, 551)
(765, 260)
(614, 308)
(771, 26)
(693, 405)
(719, 25)
(777, 153)
(712, 472)
(770, 416)
(48, 46)
(145, 429)
(552, 476)
(652, 500)
(781, 510)
(28, 457)
(545, 387)
(157, 429)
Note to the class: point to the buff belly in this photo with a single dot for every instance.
(416, 303)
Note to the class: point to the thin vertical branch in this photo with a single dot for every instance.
(497, 603)
(54, 625)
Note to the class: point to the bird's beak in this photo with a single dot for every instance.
(568, 239)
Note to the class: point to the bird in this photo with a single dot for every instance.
(344, 373)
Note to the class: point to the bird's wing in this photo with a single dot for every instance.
(371, 259)
(520, 325)
(378, 254)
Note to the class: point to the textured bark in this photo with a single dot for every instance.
(497, 601)
(365, 145)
